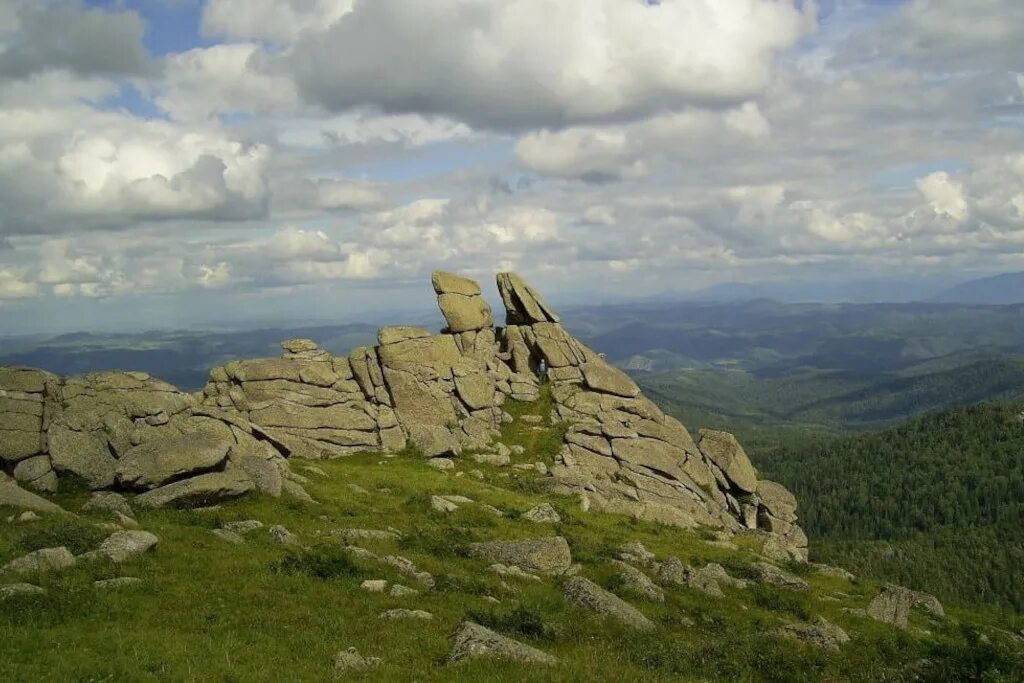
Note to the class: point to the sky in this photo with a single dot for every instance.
(175, 163)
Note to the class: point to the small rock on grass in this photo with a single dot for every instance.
(351, 660)
(229, 536)
(442, 464)
(374, 585)
(589, 595)
(442, 505)
(28, 516)
(283, 536)
(124, 545)
(119, 582)
(243, 527)
(45, 560)
(401, 613)
(473, 641)
(400, 591)
(17, 589)
(543, 514)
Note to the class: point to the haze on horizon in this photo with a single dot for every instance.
(172, 162)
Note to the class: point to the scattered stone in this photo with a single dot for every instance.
(108, 501)
(543, 514)
(124, 545)
(443, 464)
(473, 641)
(28, 516)
(283, 536)
(674, 571)
(243, 527)
(822, 634)
(374, 585)
(12, 495)
(119, 582)
(401, 613)
(400, 591)
(229, 536)
(635, 552)
(493, 459)
(442, 505)
(351, 660)
(18, 589)
(366, 535)
(548, 555)
(637, 583)
(589, 595)
(894, 603)
(770, 574)
(45, 560)
(513, 572)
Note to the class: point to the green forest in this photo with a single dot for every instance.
(935, 503)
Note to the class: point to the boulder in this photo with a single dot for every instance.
(351, 660)
(107, 501)
(523, 305)
(206, 489)
(83, 453)
(12, 495)
(543, 514)
(770, 574)
(548, 555)
(894, 603)
(449, 283)
(473, 641)
(19, 589)
(821, 634)
(37, 473)
(777, 499)
(635, 582)
(162, 461)
(45, 560)
(606, 379)
(590, 596)
(724, 450)
(124, 545)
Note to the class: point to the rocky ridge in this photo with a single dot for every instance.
(442, 393)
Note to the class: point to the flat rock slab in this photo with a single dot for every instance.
(153, 464)
(12, 495)
(200, 491)
(124, 545)
(590, 596)
(550, 555)
(473, 641)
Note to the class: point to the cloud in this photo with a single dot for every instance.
(498, 64)
(281, 21)
(944, 195)
(222, 79)
(38, 36)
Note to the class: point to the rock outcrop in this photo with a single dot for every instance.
(442, 393)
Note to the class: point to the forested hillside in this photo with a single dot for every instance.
(936, 503)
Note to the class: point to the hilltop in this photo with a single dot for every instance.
(491, 502)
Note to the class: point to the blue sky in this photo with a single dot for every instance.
(316, 157)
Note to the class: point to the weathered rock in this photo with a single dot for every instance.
(108, 501)
(604, 378)
(351, 660)
(674, 571)
(523, 305)
(589, 595)
(374, 585)
(894, 603)
(228, 536)
(400, 591)
(473, 641)
(82, 453)
(45, 560)
(159, 462)
(777, 499)
(19, 589)
(265, 474)
(12, 495)
(439, 504)
(124, 545)
(206, 489)
(402, 613)
(119, 582)
(400, 333)
(449, 283)
(723, 450)
(243, 526)
(443, 464)
(283, 536)
(36, 473)
(822, 634)
(543, 514)
(465, 313)
(548, 555)
(770, 574)
(637, 583)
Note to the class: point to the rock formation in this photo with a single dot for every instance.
(442, 393)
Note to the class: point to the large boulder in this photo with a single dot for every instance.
(45, 560)
(159, 462)
(523, 305)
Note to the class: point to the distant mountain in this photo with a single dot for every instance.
(1007, 288)
(887, 290)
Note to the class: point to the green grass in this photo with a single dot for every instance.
(212, 611)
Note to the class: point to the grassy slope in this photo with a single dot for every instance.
(210, 611)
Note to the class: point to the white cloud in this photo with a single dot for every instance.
(500, 64)
(944, 195)
(222, 79)
(280, 21)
